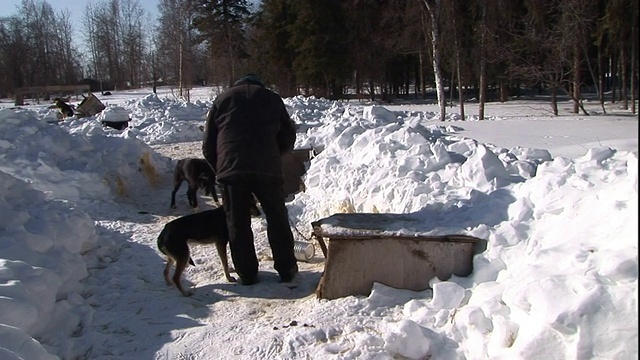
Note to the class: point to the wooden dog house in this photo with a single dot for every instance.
(362, 251)
(89, 106)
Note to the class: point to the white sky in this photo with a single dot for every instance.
(555, 197)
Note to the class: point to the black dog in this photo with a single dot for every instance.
(198, 174)
(118, 125)
(64, 108)
(206, 227)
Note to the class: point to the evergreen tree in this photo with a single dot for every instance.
(319, 38)
(222, 24)
(271, 50)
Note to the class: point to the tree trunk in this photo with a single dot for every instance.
(153, 72)
(634, 61)
(452, 87)
(576, 78)
(483, 63)
(624, 76)
(554, 100)
(372, 90)
(434, 14)
(504, 90)
(460, 92)
(458, 67)
(422, 84)
(602, 75)
(181, 65)
(614, 76)
(231, 60)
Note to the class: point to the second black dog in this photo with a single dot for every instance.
(198, 174)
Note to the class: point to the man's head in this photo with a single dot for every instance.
(249, 78)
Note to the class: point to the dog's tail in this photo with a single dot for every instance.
(160, 242)
(163, 249)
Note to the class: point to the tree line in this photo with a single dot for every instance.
(448, 50)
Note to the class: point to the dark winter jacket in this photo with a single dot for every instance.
(248, 129)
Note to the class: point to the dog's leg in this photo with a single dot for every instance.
(210, 190)
(167, 268)
(192, 196)
(181, 264)
(222, 253)
(173, 196)
(178, 178)
(176, 186)
(214, 194)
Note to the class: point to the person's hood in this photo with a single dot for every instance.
(249, 79)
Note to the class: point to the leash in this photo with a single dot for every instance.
(308, 239)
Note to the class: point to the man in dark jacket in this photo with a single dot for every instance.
(248, 129)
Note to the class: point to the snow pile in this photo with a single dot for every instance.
(558, 277)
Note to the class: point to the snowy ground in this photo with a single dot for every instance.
(556, 198)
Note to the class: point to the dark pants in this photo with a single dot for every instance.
(236, 197)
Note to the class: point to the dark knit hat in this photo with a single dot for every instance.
(249, 78)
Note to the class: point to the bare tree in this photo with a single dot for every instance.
(540, 51)
(37, 17)
(13, 50)
(65, 60)
(175, 43)
(576, 22)
(454, 12)
(133, 44)
(102, 24)
(37, 47)
(96, 64)
(482, 98)
(434, 9)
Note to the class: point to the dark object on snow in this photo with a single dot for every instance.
(198, 174)
(247, 130)
(205, 227)
(106, 93)
(118, 125)
(65, 109)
